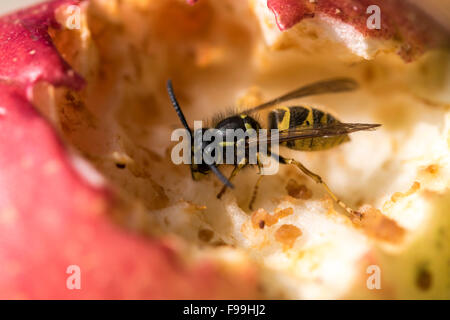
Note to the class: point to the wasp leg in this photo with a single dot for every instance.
(256, 187)
(319, 180)
(236, 169)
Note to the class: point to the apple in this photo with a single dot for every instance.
(88, 210)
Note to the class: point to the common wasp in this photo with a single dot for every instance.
(299, 128)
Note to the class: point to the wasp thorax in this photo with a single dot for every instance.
(226, 143)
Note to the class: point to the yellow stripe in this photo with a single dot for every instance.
(310, 117)
(284, 123)
(247, 125)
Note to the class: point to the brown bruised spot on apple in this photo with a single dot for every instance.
(287, 234)
(298, 191)
(199, 246)
(261, 218)
(377, 225)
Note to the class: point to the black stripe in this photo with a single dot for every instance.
(330, 119)
(298, 116)
(275, 117)
(317, 116)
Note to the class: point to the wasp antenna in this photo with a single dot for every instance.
(221, 177)
(176, 105)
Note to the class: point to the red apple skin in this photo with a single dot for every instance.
(399, 20)
(28, 54)
(51, 217)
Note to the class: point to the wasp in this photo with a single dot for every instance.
(299, 128)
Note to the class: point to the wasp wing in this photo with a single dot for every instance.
(322, 131)
(324, 86)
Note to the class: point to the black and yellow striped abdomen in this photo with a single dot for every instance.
(284, 118)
